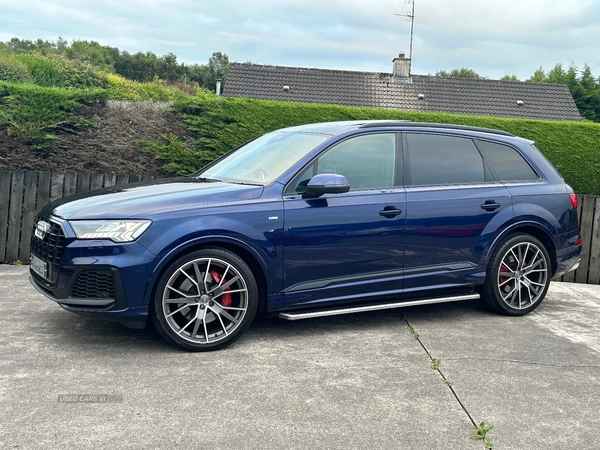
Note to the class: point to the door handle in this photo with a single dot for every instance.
(490, 205)
(389, 212)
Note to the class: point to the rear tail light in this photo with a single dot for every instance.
(574, 200)
(579, 242)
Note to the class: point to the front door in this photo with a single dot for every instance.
(345, 248)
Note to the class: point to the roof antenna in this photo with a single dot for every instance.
(410, 17)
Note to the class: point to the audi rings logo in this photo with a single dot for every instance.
(41, 229)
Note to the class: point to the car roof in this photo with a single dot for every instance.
(335, 128)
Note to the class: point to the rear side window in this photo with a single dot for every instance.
(437, 160)
(507, 162)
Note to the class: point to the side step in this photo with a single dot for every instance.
(355, 309)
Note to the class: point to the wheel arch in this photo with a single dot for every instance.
(249, 255)
(533, 229)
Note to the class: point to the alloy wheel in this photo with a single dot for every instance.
(205, 300)
(522, 275)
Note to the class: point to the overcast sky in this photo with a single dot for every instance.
(494, 38)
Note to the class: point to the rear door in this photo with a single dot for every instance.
(454, 206)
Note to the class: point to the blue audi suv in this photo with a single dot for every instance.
(315, 220)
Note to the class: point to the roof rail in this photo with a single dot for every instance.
(408, 123)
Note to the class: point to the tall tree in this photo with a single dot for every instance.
(218, 65)
(583, 87)
(102, 57)
(539, 76)
(463, 72)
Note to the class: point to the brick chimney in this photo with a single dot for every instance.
(401, 69)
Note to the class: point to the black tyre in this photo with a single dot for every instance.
(205, 300)
(518, 275)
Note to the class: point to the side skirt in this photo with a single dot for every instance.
(349, 310)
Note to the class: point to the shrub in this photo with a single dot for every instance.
(190, 88)
(33, 113)
(12, 70)
(120, 88)
(57, 71)
(181, 158)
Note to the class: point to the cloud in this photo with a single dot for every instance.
(493, 38)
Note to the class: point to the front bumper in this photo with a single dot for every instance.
(135, 318)
(95, 278)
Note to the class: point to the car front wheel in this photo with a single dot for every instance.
(518, 275)
(205, 300)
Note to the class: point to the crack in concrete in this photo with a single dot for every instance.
(563, 366)
(446, 381)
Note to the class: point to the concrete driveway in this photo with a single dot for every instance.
(345, 382)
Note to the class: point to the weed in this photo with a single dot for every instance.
(413, 331)
(482, 431)
(435, 363)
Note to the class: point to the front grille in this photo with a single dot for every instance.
(94, 284)
(50, 247)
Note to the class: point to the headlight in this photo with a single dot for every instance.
(115, 230)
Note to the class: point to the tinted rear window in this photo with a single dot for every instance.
(435, 160)
(507, 162)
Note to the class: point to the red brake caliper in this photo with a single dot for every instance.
(503, 268)
(226, 297)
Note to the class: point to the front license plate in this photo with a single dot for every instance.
(39, 266)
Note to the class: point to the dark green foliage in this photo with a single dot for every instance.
(101, 57)
(32, 113)
(182, 160)
(146, 66)
(583, 86)
(218, 65)
(225, 123)
(25, 45)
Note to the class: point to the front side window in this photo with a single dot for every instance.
(367, 162)
(438, 160)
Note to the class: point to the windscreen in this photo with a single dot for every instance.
(265, 159)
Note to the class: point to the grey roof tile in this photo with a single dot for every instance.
(378, 90)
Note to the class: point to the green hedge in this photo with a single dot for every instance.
(224, 123)
(32, 113)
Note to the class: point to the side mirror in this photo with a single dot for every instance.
(326, 183)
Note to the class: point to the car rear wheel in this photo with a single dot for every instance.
(205, 300)
(518, 275)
